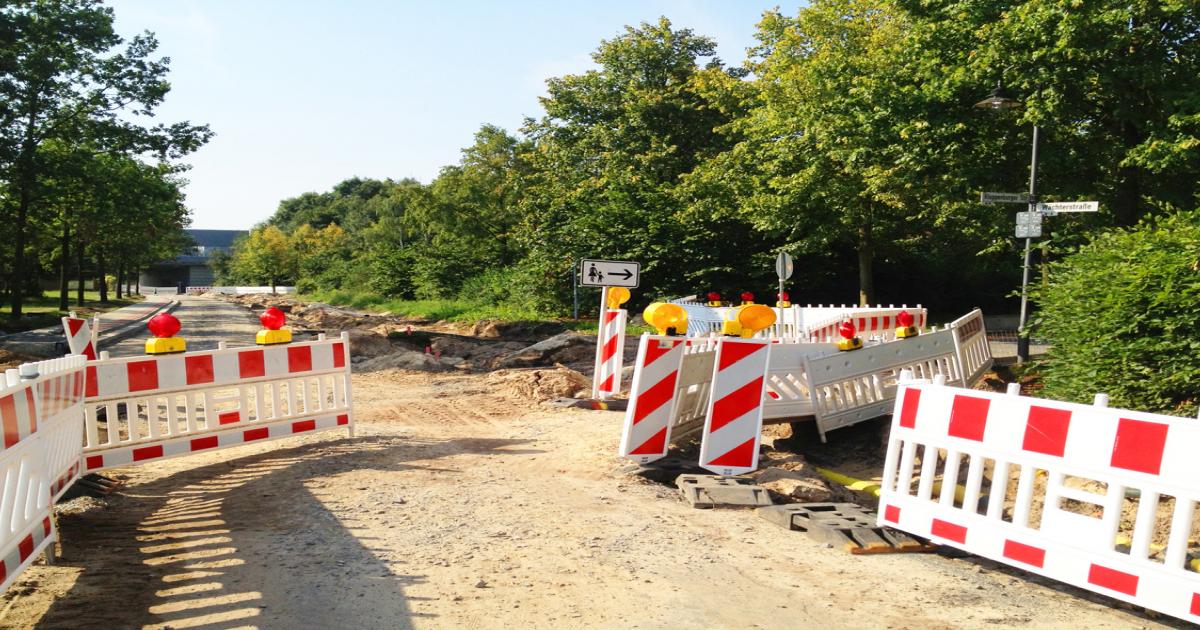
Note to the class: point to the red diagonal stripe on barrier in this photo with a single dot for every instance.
(609, 316)
(1196, 604)
(25, 547)
(609, 349)
(8, 414)
(89, 351)
(658, 395)
(1139, 445)
(74, 325)
(607, 385)
(1113, 579)
(740, 455)
(652, 446)
(732, 352)
(46, 526)
(1027, 554)
(891, 514)
(1046, 430)
(655, 349)
(737, 404)
(949, 531)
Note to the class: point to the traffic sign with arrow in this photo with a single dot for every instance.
(609, 273)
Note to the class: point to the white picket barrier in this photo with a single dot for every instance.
(1079, 467)
(971, 345)
(148, 408)
(808, 324)
(39, 410)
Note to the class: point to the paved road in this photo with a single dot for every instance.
(205, 321)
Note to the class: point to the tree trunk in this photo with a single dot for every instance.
(100, 274)
(866, 268)
(1128, 194)
(64, 266)
(17, 285)
(79, 275)
(137, 274)
(120, 278)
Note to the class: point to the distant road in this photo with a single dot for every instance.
(205, 322)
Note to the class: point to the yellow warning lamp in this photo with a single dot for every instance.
(667, 319)
(904, 325)
(783, 300)
(617, 296)
(848, 340)
(714, 298)
(747, 319)
(164, 326)
(272, 320)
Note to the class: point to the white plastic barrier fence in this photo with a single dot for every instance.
(148, 408)
(610, 354)
(971, 345)
(81, 337)
(1064, 479)
(849, 387)
(239, 290)
(808, 324)
(39, 411)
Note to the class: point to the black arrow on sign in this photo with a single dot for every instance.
(627, 273)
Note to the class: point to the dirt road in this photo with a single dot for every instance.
(460, 505)
(203, 323)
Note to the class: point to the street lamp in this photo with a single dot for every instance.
(999, 99)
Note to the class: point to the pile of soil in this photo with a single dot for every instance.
(539, 385)
(10, 360)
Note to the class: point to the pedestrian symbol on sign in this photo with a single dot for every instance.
(595, 275)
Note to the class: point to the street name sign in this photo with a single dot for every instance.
(1029, 224)
(1059, 207)
(1002, 197)
(783, 266)
(609, 273)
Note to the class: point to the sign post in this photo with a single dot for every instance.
(783, 269)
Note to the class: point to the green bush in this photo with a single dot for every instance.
(1123, 315)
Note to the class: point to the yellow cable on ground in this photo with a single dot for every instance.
(858, 485)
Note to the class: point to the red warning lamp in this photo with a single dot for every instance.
(848, 340)
(784, 300)
(163, 325)
(904, 325)
(272, 319)
(714, 298)
(747, 297)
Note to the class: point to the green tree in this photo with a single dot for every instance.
(61, 76)
(265, 255)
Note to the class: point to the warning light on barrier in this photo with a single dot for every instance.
(273, 320)
(848, 340)
(748, 319)
(904, 325)
(747, 297)
(784, 300)
(666, 318)
(617, 296)
(164, 326)
(714, 298)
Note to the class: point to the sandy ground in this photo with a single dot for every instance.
(457, 507)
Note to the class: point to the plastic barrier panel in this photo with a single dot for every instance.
(733, 424)
(1076, 493)
(787, 393)
(850, 387)
(81, 339)
(38, 405)
(610, 355)
(148, 408)
(971, 345)
(646, 432)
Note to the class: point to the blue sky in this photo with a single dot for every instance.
(304, 94)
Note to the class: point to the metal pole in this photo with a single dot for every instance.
(1022, 329)
(575, 291)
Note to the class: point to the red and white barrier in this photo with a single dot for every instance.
(39, 412)
(81, 338)
(733, 425)
(610, 354)
(1093, 459)
(645, 435)
(148, 408)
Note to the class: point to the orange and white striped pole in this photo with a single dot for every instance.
(733, 426)
(645, 435)
(610, 344)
